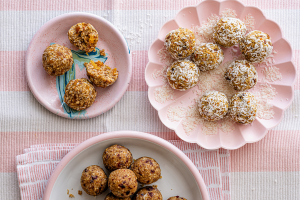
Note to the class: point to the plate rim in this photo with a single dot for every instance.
(36, 94)
(283, 109)
(125, 134)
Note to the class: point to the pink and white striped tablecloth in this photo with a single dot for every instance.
(269, 169)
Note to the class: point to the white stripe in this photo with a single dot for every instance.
(9, 189)
(22, 112)
(265, 185)
(140, 31)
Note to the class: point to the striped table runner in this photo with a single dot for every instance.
(268, 169)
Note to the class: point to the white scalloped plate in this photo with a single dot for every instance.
(195, 15)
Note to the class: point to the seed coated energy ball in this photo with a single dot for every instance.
(229, 31)
(180, 43)
(110, 196)
(256, 46)
(176, 198)
(241, 75)
(117, 157)
(148, 193)
(243, 107)
(93, 180)
(100, 74)
(207, 56)
(146, 169)
(57, 59)
(183, 75)
(122, 183)
(79, 94)
(213, 106)
(84, 36)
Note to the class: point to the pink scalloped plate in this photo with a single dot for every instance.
(48, 89)
(180, 175)
(242, 134)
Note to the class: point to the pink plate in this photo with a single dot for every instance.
(167, 101)
(180, 176)
(49, 91)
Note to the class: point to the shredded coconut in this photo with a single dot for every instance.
(164, 93)
(249, 22)
(272, 74)
(175, 113)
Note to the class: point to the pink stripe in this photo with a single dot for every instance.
(16, 142)
(12, 71)
(278, 151)
(131, 5)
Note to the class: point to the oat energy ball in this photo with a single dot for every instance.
(57, 59)
(122, 183)
(183, 75)
(256, 46)
(146, 169)
(84, 36)
(79, 94)
(117, 157)
(207, 56)
(213, 105)
(243, 107)
(93, 180)
(148, 193)
(229, 31)
(100, 74)
(241, 75)
(110, 196)
(180, 43)
(176, 198)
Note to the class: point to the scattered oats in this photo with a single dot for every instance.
(71, 196)
(68, 191)
(79, 192)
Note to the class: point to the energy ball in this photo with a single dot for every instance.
(79, 94)
(213, 106)
(84, 36)
(176, 198)
(122, 183)
(117, 157)
(148, 193)
(241, 75)
(229, 31)
(57, 59)
(110, 196)
(100, 74)
(180, 43)
(207, 56)
(256, 46)
(93, 180)
(183, 75)
(243, 107)
(146, 169)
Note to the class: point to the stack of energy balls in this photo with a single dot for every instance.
(57, 60)
(192, 59)
(125, 173)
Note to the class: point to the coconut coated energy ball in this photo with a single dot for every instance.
(146, 169)
(256, 46)
(117, 157)
(110, 196)
(93, 180)
(183, 75)
(122, 183)
(148, 193)
(84, 36)
(100, 74)
(243, 108)
(229, 31)
(180, 43)
(241, 75)
(57, 59)
(207, 56)
(79, 94)
(213, 106)
(176, 198)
